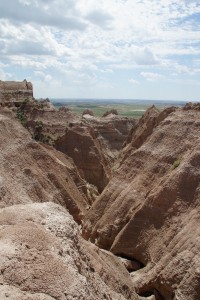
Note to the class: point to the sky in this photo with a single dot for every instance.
(119, 49)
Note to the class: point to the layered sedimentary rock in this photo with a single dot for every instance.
(42, 254)
(15, 92)
(112, 131)
(68, 134)
(51, 122)
(33, 172)
(149, 211)
(93, 143)
(43, 257)
(147, 216)
(81, 144)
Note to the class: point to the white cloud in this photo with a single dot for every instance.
(62, 15)
(100, 39)
(151, 76)
(4, 75)
(100, 18)
(143, 56)
(183, 69)
(133, 81)
(43, 76)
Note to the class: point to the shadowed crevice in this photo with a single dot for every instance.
(130, 263)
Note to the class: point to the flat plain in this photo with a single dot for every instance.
(129, 108)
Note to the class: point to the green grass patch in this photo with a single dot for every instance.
(126, 110)
(176, 163)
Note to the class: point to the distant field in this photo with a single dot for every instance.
(123, 110)
(134, 109)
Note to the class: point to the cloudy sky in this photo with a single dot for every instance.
(137, 49)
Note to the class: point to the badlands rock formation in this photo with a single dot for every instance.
(145, 224)
(80, 143)
(92, 143)
(42, 254)
(149, 212)
(112, 131)
(68, 134)
(15, 92)
(33, 172)
(43, 257)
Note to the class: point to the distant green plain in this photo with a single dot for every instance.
(127, 110)
(134, 110)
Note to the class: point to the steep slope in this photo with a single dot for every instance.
(149, 211)
(111, 131)
(14, 92)
(31, 172)
(80, 143)
(92, 143)
(144, 128)
(43, 257)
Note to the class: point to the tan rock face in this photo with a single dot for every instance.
(31, 172)
(92, 143)
(148, 122)
(54, 121)
(43, 257)
(112, 132)
(148, 214)
(13, 91)
(80, 144)
(68, 134)
(150, 209)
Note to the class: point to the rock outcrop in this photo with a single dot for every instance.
(92, 143)
(13, 92)
(88, 112)
(112, 132)
(110, 112)
(67, 133)
(146, 221)
(80, 143)
(42, 254)
(33, 172)
(149, 211)
(43, 257)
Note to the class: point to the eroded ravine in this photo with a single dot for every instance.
(150, 209)
(145, 223)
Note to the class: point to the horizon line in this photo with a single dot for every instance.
(120, 99)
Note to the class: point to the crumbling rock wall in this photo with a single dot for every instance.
(43, 257)
(31, 172)
(149, 211)
(80, 143)
(93, 143)
(15, 92)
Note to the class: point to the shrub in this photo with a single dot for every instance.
(176, 163)
(38, 130)
(21, 116)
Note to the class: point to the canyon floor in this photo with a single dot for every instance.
(99, 207)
